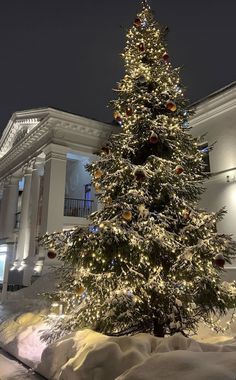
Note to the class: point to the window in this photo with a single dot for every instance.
(204, 149)
(3, 252)
(87, 195)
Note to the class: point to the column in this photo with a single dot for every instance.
(3, 209)
(10, 251)
(24, 229)
(54, 188)
(30, 244)
(9, 207)
(53, 197)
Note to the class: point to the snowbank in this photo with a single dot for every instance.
(88, 355)
(21, 320)
(20, 336)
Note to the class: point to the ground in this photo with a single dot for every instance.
(10, 369)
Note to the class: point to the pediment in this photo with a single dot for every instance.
(17, 128)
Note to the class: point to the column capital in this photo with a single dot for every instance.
(12, 179)
(55, 151)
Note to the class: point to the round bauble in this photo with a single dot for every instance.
(219, 260)
(127, 215)
(179, 169)
(141, 47)
(97, 187)
(140, 175)
(137, 22)
(129, 111)
(51, 254)
(153, 139)
(117, 116)
(79, 291)
(165, 56)
(98, 174)
(171, 106)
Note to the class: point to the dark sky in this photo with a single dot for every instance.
(66, 53)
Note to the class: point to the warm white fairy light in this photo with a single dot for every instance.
(160, 263)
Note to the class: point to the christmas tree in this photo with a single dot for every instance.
(151, 261)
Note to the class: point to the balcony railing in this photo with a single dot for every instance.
(78, 207)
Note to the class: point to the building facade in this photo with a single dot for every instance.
(215, 120)
(46, 188)
(44, 185)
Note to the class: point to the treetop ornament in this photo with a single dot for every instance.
(151, 260)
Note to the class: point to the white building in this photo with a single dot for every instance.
(44, 184)
(215, 118)
(45, 187)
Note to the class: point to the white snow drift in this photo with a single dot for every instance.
(87, 355)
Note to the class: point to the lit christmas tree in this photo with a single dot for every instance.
(151, 261)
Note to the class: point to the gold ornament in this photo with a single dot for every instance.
(80, 290)
(98, 173)
(127, 215)
(97, 187)
(171, 106)
(117, 116)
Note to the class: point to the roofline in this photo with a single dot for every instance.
(42, 112)
(213, 94)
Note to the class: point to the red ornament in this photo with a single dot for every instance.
(141, 47)
(52, 254)
(140, 175)
(171, 106)
(219, 260)
(165, 56)
(137, 22)
(179, 169)
(153, 139)
(129, 111)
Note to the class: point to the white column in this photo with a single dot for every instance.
(24, 229)
(3, 209)
(9, 259)
(9, 207)
(30, 243)
(54, 188)
(53, 197)
(34, 199)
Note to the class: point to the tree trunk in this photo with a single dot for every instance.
(158, 329)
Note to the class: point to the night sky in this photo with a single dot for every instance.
(66, 53)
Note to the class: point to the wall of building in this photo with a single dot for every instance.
(219, 128)
(220, 131)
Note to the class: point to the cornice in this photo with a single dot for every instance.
(214, 106)
(56, 127)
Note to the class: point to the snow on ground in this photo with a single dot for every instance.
(87, 355)
(10, 369)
